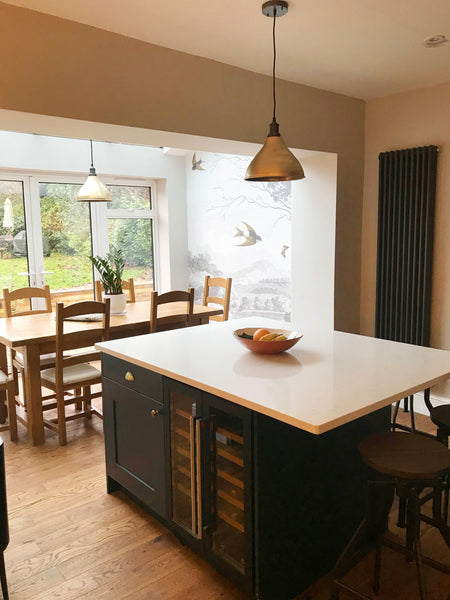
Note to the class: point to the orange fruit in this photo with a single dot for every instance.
(259, 333)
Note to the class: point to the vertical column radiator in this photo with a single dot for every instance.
(407, 190)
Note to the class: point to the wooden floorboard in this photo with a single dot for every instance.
(70, 540)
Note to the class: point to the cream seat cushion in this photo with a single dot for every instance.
(3, 378)
(73, 374)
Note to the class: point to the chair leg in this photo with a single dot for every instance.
(3, 577)
(12, 415)
(15, 375)
(61, 411)
(78, 403)
(87, 401)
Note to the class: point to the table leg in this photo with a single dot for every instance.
(4, 368)
(32, 381)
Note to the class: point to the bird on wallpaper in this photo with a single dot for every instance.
(251, 237)
(197, 164)
(283, 250)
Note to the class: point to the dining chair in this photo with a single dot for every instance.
(73, 371)
(14, 308)
(183, 319)
(218, 282)
(127, 285)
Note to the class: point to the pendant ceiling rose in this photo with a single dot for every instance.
(274, 8)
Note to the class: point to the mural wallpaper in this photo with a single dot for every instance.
(241, 230)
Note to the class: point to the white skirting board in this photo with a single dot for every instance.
(420, 406)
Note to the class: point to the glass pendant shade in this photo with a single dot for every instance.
(93, 190)
(274, 162)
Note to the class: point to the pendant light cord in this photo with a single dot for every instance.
(92, 156)
(274, 61)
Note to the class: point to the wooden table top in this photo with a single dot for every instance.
(34, 329)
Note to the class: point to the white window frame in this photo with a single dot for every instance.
(99, 215)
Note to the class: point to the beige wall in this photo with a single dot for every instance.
(56, 67)
(417, 118)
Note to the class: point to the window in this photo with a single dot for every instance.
(130, 227)
(63, 233)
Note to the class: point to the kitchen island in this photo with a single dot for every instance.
(251, 459)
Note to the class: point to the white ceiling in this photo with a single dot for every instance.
(362, 48)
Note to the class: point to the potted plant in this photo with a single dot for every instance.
(111, 270)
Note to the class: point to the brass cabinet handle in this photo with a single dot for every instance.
(155, 412)
(129, 376)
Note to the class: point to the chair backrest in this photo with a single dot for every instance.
(84, 338)
(128, 284)
(26, 293)
(180, 318)
(221, 282)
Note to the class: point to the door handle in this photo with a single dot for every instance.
(198, 466)
(192, 449)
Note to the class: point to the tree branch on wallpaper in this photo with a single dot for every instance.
(275, 196)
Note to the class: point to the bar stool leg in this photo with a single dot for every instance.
(3, 577)
(413, 537)
(376, 583)
(440, 520)
(401, 513)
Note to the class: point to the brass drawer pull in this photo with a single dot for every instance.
(155, 412)
(129, 376)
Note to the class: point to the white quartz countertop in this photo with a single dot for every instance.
(324, 381)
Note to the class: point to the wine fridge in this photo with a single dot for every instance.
(210, 442)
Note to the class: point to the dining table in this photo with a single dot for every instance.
(35, 335)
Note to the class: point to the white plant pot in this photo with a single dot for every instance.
(118, 303)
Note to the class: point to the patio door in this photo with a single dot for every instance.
(14, 242)
(46, 236)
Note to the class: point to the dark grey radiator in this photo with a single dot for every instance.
(407, 190)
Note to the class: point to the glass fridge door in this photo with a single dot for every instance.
(182, 440)
(227, 463)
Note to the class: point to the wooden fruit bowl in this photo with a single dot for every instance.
(271, 347)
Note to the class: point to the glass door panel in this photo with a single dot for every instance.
(66, 242)
(182, 432)
(135, 238)
(13, 238)
(228, 488)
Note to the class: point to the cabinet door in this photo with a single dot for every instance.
(228, 488)
(134, 441)
(184, 410)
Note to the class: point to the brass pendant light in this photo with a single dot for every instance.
(93, 189)
(274, 162)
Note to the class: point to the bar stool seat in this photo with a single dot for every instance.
(440, 415)
(407, 464)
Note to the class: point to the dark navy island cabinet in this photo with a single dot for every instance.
(269, 505)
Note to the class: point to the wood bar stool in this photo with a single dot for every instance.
(406, 464)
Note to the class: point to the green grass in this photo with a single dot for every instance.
(66, 272)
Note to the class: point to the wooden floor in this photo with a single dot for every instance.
(71, 540)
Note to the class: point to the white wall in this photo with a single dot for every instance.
(37, 153)
(313, 244)
(313, 205)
